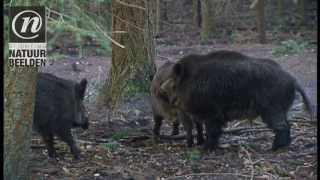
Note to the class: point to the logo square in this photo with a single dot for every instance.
(27, 24)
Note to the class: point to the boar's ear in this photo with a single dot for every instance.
(179, 70)
(81, 87)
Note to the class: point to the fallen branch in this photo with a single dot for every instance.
(245, 130)
(45, 171)
(250, 161)
(40, 146)
(214, 175)
(304, 120)
(175, 137)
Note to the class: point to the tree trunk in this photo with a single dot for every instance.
(132, 67)
(301, 8)
(19, 96)
(158, 17)
(208, 25)
(280, 9)
(261, 21)
(196, 13)
(164, 11)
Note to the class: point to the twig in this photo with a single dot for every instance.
(101, 141)
(130, 5)
(164, 57)
(254, 4)
(250, 161)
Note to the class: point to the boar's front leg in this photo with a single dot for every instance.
(188, 126)
(66, 136)
(49, 141)
(175, 127)
(157, 125)
(200, 139)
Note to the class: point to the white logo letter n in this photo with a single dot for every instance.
(35, 25)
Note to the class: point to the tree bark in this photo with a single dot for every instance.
(261, 21)
(208, 24)
(19, 96)
(301, 8)
(158, 17)
(196, 13)
(132, 67)
(280, 9)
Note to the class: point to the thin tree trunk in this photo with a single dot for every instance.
(164, 11)
(158, 17)
(261, 21)
(196, 13)
(132, 67)
(280, 9)
(208, 24)
(301, 8)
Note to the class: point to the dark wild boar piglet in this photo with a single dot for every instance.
(163, 110)
(58, 109)
(226, 85)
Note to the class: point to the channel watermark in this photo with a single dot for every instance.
(27, 40)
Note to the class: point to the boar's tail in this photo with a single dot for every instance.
(305, 100)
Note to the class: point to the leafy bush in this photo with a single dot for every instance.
(193, 156)
(111, 146)
(290, 46)
(119, 135)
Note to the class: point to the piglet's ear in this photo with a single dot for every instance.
(81, 87)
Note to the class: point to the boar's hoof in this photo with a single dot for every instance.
(156, 138)
(52, 155)
(282, 139)
(175, 132)
(209, 147)
(200, 141)
(76, 156)
(76, 152)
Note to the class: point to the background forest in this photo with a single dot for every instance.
(118, 45)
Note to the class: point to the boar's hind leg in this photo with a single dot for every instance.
(277, 121)
(200, 139)
(175, 127)
(157, 124)
(66, 136)
(48, 140)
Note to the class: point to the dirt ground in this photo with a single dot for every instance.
(121, 148)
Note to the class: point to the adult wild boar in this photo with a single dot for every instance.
(163, 110)
(58, 108)
(226, 85)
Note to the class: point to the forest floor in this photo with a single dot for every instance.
(122, 147)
